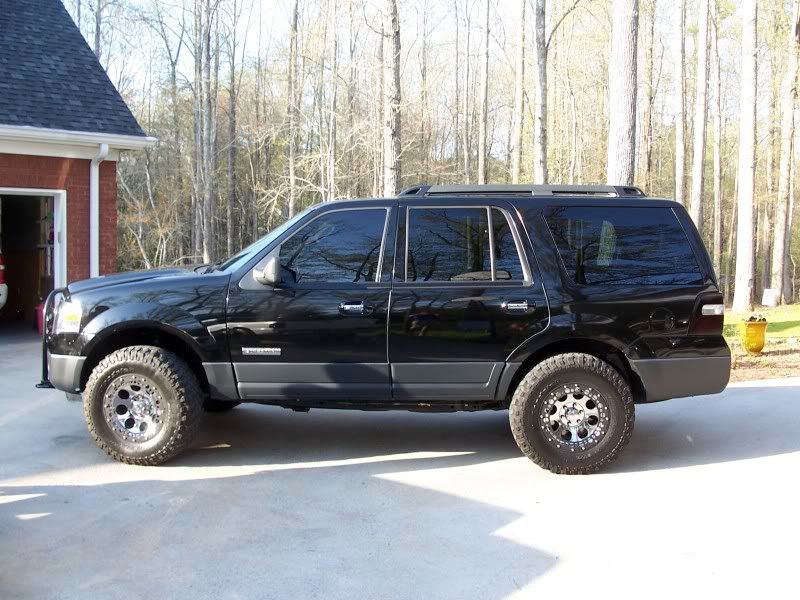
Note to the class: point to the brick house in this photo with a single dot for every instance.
(62, 128)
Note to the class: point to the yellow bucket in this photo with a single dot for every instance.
(753, 335)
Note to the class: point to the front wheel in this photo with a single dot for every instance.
(572, 413)
(142, 405)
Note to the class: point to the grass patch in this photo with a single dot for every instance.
(784, 321)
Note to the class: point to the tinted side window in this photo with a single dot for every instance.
(338, 247)
(643, 246)
(506, 257)
(448, 244)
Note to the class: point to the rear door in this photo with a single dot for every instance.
(464, 297)
(320, 333)
(638, 275)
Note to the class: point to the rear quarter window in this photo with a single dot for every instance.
(619, 245)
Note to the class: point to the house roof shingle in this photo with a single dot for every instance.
(50, 78)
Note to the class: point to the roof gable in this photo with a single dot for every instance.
(50, 78)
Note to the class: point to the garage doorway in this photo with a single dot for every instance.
(31, 244)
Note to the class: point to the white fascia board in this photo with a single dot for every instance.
(75, 138)
(52, 149)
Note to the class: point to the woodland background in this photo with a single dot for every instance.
(265, 107)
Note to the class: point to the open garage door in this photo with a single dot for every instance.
(32, 254)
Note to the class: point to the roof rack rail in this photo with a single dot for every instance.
(524, 190)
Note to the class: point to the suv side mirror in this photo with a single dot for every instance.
(270, 274)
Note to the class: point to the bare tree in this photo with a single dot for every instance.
(717, 112)
(540, 96)
(483, 159)
(391, 100)
(646, 149)
(519, 96)
(680, 103)
(622, 91)
(780, 249)
(745, 273)
(700, 117)
(292, 109)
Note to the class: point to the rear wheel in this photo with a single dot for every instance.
(572, 413)
(142, 405)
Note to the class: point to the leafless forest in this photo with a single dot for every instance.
(263, 108)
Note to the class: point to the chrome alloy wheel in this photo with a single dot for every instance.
(134, 408)
(574, 417)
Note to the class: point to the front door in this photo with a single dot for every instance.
(464, 298)
(321, 333)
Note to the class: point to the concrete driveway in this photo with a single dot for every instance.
(274, 504)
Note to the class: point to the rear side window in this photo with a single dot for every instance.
(455, 244)
(448, 244)
(642, 246)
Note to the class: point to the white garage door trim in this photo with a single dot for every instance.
(59, 226)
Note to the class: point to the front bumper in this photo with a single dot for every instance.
(64, 371)
(665, 378)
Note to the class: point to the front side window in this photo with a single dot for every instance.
(616, 245)
(338, 247)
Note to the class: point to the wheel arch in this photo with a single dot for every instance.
(609, 353)
(144, 334)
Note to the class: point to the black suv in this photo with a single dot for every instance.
(565, 304)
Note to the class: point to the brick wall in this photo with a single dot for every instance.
(72, 175)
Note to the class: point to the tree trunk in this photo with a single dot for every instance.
(717, 110)
(700, 118)
(743, 292)
(465, 145)
(208, 132)
(391, 101)
(540, 96)
(680, 103)
(197, 204)
(229, 225)
(781, 239)
(519, 97)
(646, 152)
(291, 100)
(456, 130)
(334, 85)
(98, 26)
(483, 159)
(622, 91)
(424, 145)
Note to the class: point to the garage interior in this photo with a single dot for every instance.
(27, 247)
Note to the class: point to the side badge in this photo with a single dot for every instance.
(261, 351)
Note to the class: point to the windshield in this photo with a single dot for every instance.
(243, 256)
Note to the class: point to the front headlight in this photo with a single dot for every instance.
(68, 318)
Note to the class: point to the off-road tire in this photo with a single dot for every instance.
(563, 369)
(212, 405)
(182, 404)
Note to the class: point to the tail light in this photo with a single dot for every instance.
(708, 315)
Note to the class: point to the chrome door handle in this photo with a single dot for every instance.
(516, 306)
(354, 308)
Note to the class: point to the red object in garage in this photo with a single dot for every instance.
(40, 317)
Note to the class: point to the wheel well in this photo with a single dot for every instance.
(145, 337)
(613, 356)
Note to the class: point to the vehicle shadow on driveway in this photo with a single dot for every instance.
(744, 422)
(327, 532)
